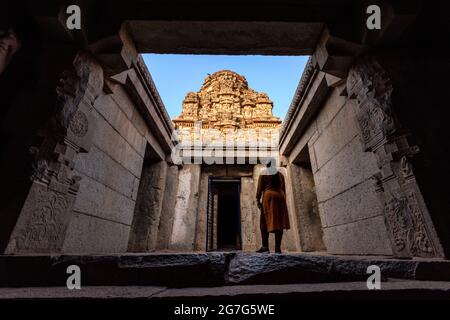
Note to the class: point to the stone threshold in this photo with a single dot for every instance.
(394, 289)
(210, 269)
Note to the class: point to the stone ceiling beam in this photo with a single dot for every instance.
(267, 27)
(225, 37)
(116, 53)
(335, 55)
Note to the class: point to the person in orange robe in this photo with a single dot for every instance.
(274, 214)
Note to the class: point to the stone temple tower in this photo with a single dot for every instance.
(224, 133)
(226, 103)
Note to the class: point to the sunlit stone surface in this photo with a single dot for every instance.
(226, 108)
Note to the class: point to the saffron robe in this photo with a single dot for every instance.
(274, 205)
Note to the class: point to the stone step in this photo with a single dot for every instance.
(210, 269)
(394, 289)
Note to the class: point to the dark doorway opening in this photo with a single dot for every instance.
(224, 216)
(228, 216)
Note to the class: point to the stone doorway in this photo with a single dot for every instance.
(224, 215)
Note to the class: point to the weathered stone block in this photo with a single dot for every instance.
(256, 268)
(173, 270)
(98, 200)
(292, 211)
(147, 213)
(99, 166)
(123, 100)
(248, 206)
(257, 213)
(359, 202)
(338, 133)
(107, 139)
(186, 208)
(211, 269)
(200, 234)
(122, 124)
(303, 268)
(331, 107)
(368, 236)
(290, 236)
(306, 212)
(88, 235)
(348, 168)
(168, 208)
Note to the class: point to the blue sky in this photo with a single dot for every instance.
(175, 75)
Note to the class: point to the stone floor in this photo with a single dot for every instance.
(219, 275)
(393, 289)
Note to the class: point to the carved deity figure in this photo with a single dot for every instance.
(190, 110)
(247, 112)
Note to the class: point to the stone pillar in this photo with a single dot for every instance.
(186, 209)
(256, 213)
(248, 207)
(200, 233)
(149, 203)
(305, 207)
(168, 209)
(291, 204)
(290, 237)
(47, 210)
(407, 219)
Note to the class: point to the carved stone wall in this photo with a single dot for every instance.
(411, 230)
(46, 213)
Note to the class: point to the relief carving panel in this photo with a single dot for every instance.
(406, 216)
(47, 210)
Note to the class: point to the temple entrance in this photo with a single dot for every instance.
(223, 215)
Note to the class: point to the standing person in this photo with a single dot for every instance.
(274, 214)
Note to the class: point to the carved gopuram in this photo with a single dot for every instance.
(95, 173)
(225, 102)
(225, 130)
(227, 122)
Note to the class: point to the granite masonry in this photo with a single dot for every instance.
(90, 168)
